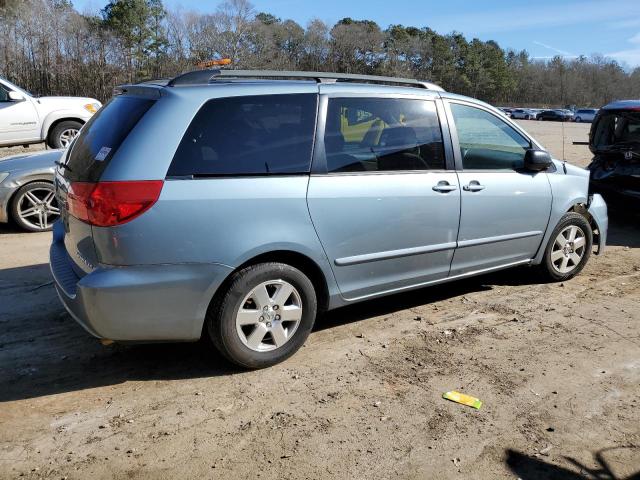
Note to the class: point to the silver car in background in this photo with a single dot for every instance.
(241, 205)
(585, 115)
(27, 196)
(523, 114)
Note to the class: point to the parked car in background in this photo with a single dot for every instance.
(555, 115)
(26, 119)
(585, 115)
(26, 190)
(506, 110)
(523, 114)
(221, 202)
(536, 112)
(614, 140)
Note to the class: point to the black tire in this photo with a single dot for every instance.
(578, 120)
(19, 200)
(221, 316)
(54, 139)
(549, 271)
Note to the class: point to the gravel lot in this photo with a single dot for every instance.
(556, 365)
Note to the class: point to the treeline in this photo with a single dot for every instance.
(48, 47)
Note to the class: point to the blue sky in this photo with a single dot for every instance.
(544, 28)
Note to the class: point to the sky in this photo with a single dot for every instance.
(544, 28)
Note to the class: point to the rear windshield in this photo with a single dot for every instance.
(617, 129)
(251, 135)
(101, 137)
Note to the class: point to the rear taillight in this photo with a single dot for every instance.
(106, 204)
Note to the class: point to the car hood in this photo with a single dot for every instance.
(570, 169)
(30, 161)
(66, 102)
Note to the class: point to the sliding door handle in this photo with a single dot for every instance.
(444, 187)
(473, 186)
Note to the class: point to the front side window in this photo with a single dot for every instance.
(486, 142)
(382, 134)
(4, 94)
(249, 135)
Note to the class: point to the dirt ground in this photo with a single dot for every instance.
(556, 365)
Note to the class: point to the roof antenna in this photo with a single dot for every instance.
(564, 158)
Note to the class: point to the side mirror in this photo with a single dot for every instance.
(15, 97)
(537, 160)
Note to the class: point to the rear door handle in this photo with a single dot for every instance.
(473, 186)
(444, 187)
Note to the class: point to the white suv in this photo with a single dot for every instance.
(26, 119)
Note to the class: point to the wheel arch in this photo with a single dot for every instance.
(50, 124)
(577, 203)
(583, 209)
(298, 260)
(8, 207)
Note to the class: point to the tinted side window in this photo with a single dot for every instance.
(4, 95)
(486, 142)
(382, 134)
(249, 135)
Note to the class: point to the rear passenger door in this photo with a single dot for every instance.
(382, 200)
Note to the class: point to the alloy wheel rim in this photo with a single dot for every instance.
(568, 249)
(269, 316)
(38, 208)
(67, 136)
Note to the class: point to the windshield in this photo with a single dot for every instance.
(617, 129)
(10, 86)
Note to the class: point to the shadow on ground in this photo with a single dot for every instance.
(535, 468)
(43, 351)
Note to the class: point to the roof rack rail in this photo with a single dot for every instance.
(199, 77)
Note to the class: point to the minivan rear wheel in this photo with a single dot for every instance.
(264, 316)
(568, 249)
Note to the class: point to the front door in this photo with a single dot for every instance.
(385, 209)
(18, 119)
(505, 210)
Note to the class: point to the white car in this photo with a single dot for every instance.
(26, 119)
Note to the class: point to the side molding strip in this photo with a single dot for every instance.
(404, 252)
(499, 238)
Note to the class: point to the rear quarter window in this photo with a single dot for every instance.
(102, 135)
(249, 135)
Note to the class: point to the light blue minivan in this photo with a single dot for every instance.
(240, 205)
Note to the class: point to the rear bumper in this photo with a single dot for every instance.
(137, 303)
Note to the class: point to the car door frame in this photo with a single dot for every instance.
(447, 101)
(319, 165)
(26, 134)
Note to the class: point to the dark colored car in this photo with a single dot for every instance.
(555, 115)
(614, 140)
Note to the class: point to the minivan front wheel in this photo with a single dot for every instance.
(264, 316)
(569, 248)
